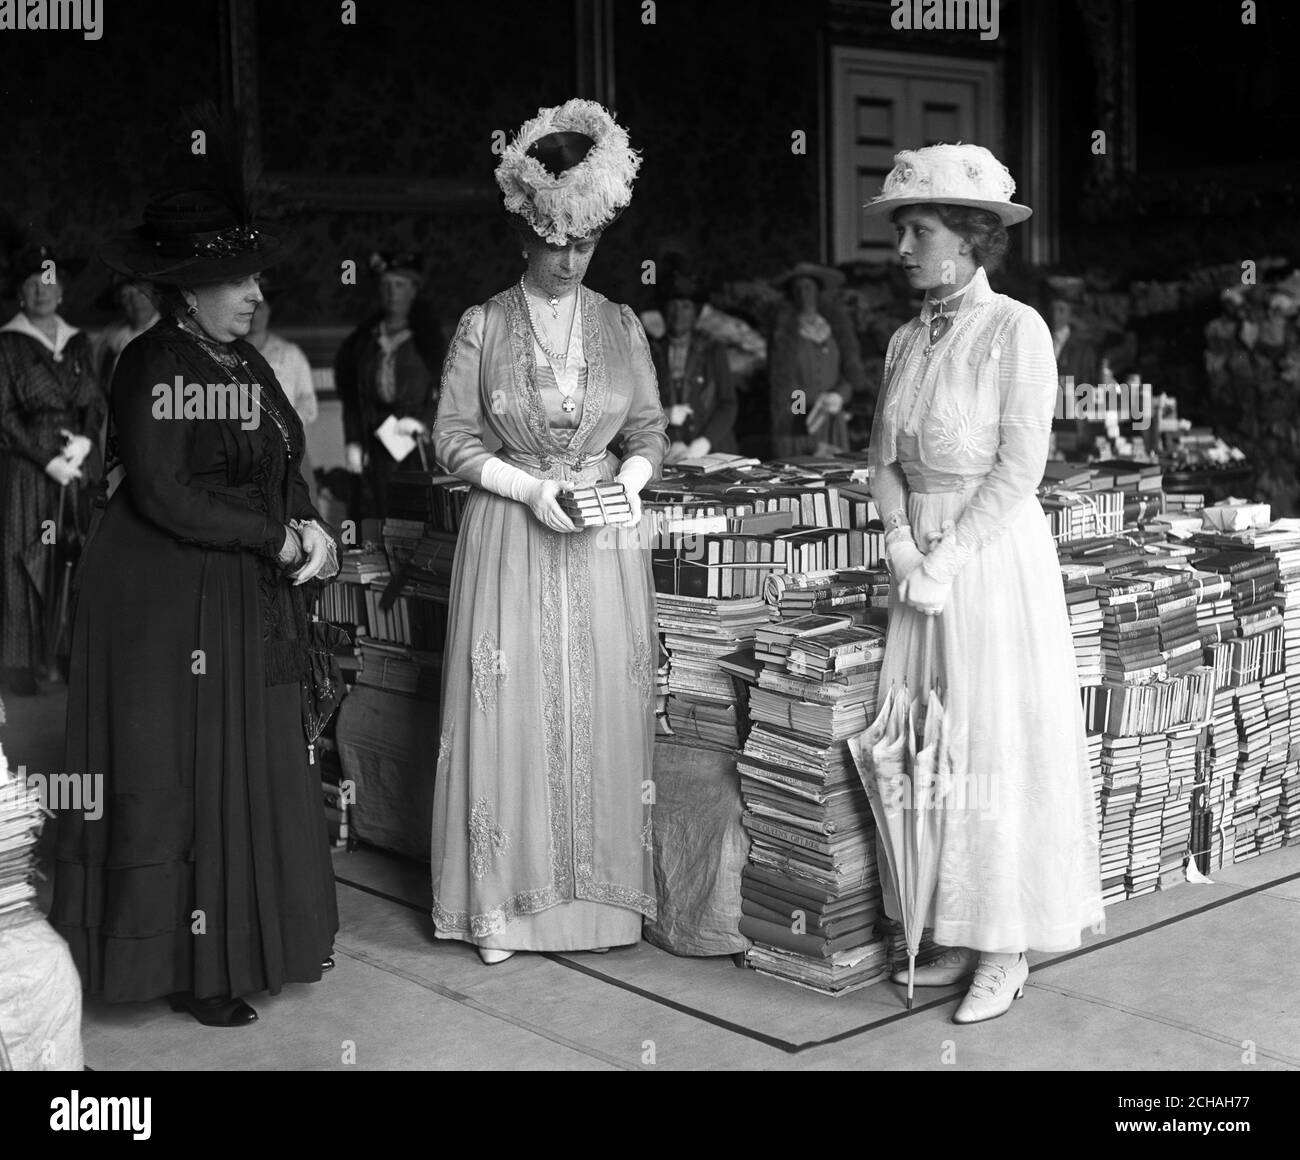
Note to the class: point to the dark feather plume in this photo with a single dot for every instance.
(226, 169)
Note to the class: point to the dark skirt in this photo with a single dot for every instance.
(209, 870)
(28, 498)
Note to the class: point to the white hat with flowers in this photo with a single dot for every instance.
(953, 174)
(569, 171)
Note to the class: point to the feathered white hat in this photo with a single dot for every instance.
(954, 174)
(563, 186)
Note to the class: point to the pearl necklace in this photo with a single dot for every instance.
(566, 385)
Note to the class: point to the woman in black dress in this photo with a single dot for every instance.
(208, 875)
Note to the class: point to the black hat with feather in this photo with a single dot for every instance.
(205, 231)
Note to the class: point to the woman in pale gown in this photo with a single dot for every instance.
(957, 450)
(541, 827)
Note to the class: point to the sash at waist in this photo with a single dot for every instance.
(556, 467)
(919, 482)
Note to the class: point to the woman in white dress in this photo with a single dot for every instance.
(957, 451)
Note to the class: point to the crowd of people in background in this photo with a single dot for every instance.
(56, 382)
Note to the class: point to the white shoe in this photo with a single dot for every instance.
(955, 965)
(491, 956)
(993, 990)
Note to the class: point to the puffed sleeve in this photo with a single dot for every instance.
(458, 430)
(888, 483)
(156, 454)
(1027, 388)
(643, 429)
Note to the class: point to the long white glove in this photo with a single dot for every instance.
(61, 471)
(506, 480)
(634, 475)
(901, 552)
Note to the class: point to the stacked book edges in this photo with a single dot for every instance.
(596, 505)
(20, 824)
(811, 894)
(427, 498)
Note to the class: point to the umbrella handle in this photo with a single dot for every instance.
(927, 659)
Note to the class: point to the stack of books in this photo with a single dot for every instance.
(1130, 631)
(1277, 710)
(1146, 830)
(596, 505)
(1120, 776)
(1253, 738)
(1077, 515)
(794, 594)
(1288, 581)
(811, 894)
(1214, 617)
(1085, 623)
(697, 634)
(772, 641)
(20, 825)
(846, 654)
(1176, 825)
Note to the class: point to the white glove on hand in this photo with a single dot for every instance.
(503, 479)
(698, 447)
(902, 554)
(61, 471)
(352, 459)
(291, 550)
(833, 402)
(412, 427)
(634, 475)
(322, 555)
(76, 448)
(678, 413)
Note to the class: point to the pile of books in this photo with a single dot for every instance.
(1121, 771)
(1130, 631)
(697, 634)
(1084, 609)
(20, 825)
(1074, 515)
(811, 892)
(1146, 827)
(799, 593)
(1176, 827)
(596, 505)
(1253, 739)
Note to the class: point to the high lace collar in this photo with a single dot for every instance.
(975, 291)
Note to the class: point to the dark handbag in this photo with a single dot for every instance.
(323, 688)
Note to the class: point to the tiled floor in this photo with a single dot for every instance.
(1201, 977)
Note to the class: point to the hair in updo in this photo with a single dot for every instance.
(981, 227)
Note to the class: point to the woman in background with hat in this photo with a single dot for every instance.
(51, 410)
(958, 448)
(208, 875)
(695, 384)
(816, 365)
(385, 368)
(541, 830)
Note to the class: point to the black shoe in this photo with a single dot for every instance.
(230, 1011)
(327, 965)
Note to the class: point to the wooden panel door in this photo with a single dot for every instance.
(884, 102)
